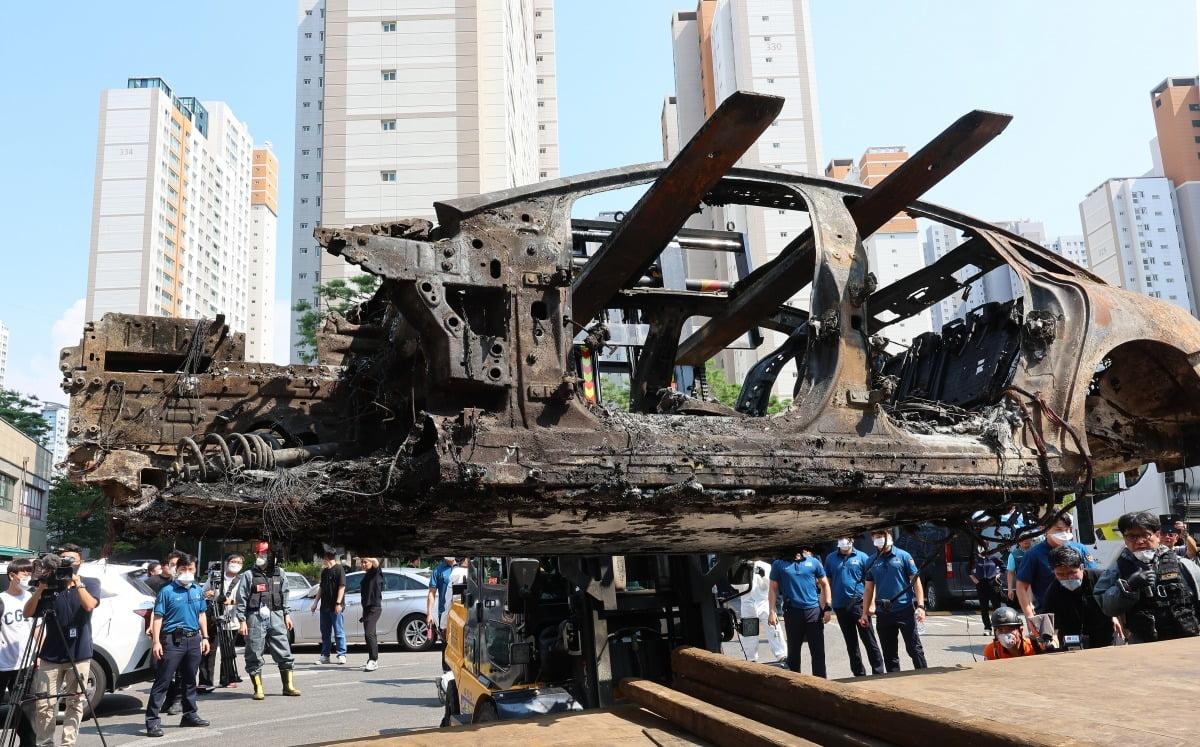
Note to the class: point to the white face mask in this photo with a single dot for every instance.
(234, 567)
(844, 544)
(186, 578)
(1008, 640)
(1144, 555)
(880, 542)
(260, 561)
(1071, 584)
(1062, 536)
(173, 570)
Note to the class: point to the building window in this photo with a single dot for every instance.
(387, 176)
(766, 38)
(305, 128)
(541, 127)
(766, 18)
(32, 502)
(387, 124)
(389, 26)
(304, 177)
(539, 58)
(303, 275)
(541, 104)
(1194, 107)
(541, 150)
(769, 59)
(307, 81)
(308, 58)
(308, 35)
(389, 74)
(7, 486)
(537, 36)
(774, 145)
(541, 174)
(307, 104)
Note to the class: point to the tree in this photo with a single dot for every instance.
(335, 295)
(726, 392)
(80, 515)
(23, 413)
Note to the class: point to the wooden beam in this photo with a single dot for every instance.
(772, 284)
(671, 200)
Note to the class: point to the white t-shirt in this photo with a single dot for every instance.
(14, 629)
(458, 575)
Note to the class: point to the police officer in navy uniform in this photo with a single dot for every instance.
(179, 630)
(845, 567)
(1156, 590)
(894, 595)
(802, 585)
(265, 618)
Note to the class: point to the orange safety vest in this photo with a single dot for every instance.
(995, 651)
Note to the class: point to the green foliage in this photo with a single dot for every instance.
(24, 413)
(79, 515)
(615, 392)
(311, 571)
(336, 295)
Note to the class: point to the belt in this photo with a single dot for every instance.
(182, 632)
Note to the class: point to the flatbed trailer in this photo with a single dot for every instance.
(1107, 696)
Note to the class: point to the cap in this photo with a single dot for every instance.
(1169, 529)
(260, 547)
(448, 558)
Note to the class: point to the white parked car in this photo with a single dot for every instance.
(403, 620)
(297, 586)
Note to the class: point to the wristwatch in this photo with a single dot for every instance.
(919, 606)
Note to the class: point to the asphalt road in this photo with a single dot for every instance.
(343, 702)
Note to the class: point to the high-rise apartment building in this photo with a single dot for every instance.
(57, 417)
(264, 231)
(399, 105)
(1176, 106)
(1133, 239)
(1073, 248)
(750, 45)
(3, 353)
(171, 230)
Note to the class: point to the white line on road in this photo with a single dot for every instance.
(203, 733)
(339, 684)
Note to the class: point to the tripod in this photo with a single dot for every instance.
(44, 616)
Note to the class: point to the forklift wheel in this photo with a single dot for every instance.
(485, 711)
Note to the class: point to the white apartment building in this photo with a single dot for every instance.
(171, 230)
(264, 237)
(1133, 238)
(57, 417)
(1073, 248)
(751, 45)
(3, 353)
(402, 104)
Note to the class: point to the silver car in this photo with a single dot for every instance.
(404, 593)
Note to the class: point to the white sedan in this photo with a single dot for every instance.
(404, 593)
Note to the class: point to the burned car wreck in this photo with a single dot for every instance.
(455, 411)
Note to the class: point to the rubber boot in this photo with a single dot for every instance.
(256, 679)
(288, 687)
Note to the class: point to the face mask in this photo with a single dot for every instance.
(880, 542)
(234, 567)
(843, 544)
(1144, 555)
(260, 561)
(173, 571)
(1071, 584)
(186, 578)
(1008, 640)
(1062, 536)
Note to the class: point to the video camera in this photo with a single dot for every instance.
(56, 571)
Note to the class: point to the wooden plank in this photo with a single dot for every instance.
(717, 725)
(888, 716)
(818, 731)
(671, 200)
(772, 284)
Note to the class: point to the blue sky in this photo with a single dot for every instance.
(1076, 75)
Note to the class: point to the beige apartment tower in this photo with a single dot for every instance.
(402, 104)
(1176, 106)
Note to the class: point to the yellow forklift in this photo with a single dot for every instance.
(530, 636)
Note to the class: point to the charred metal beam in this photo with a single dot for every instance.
(656, 363)
(672, 199)
(773, 283)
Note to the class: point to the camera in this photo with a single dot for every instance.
(55, 572)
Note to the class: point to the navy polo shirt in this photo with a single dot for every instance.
(890, 572)
(846, 576)
(797, 581)
(179, 606)
(1035, 569)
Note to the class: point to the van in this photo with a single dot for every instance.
(945, 567)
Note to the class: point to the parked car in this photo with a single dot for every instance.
(404, 593)
(121, 650)
(297, 585)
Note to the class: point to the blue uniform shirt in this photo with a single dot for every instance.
(440, 580)
(846, 576)
(890, 572)
(179, 606)
(797, 581)
(1035, 569)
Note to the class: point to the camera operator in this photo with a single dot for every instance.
(67, 644)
